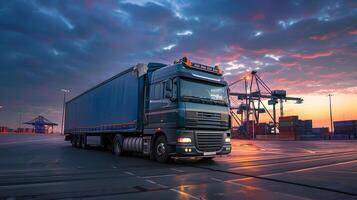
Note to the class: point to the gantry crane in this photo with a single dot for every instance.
(252, 103)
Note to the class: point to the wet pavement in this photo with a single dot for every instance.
(46, 167)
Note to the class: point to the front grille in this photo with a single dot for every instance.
(205, 119)
(209, 141)
(208, 116)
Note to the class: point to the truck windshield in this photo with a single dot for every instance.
(203, 92)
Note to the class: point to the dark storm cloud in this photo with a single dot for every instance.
(49, 45)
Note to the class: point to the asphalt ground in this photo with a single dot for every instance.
(46, 167)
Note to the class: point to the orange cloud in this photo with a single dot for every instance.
(323, 37)
(258, 16)
(312, 55)
(353, 32)
(288, 64)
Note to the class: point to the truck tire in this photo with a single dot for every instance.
(79, 138)
(118, 145)
(161, 149)
(73, 137)
(83, 143)
(76, 140)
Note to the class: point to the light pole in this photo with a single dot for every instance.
(63, 108)
(1, 107)
(329, 96)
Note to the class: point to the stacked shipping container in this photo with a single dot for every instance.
(4, 129)
(323, 131)
(25, 130)
(290, 127)
(347, 128)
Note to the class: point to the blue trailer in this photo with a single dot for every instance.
(158, 110)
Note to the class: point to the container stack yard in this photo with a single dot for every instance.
(4, 129)
(290, 127)
(25, 130)
(345, 129)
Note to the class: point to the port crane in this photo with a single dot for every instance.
(255, 91)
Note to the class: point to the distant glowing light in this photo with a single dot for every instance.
(184, 33)
(272, 56)
(169, 47)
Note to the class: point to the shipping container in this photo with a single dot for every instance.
(320, 131)
(102, 108)
(288, 118)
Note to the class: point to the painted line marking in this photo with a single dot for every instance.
(311, 168)
(155, 183)
(256, 188)
(30, 141)
(129, 173)
(289, 162)
(177, 170)
(343, 172)
(294, 171)
(186, 194)
(159, 176)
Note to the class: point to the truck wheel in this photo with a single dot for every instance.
(118, 145)
(73, 137)
(83, 142)
(75, 140)
(80, 141)
(161, 149)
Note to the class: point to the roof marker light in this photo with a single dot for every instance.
(219, 69)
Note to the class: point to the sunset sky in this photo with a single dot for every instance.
(308, 48)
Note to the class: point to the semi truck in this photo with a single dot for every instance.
(157, 110)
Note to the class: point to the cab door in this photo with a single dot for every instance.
(155, 108)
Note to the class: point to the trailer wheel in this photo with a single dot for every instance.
(161, 149)
(73, 137)
(83, 143)
(118, 145)
(76, 140)
(80, 141)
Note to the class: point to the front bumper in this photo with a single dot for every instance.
(180, 151)
(192, 150)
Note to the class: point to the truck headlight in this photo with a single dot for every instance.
(227, 139)
(184, 140)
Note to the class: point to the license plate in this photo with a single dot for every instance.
(209, 153)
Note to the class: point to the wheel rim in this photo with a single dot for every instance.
(160, 149)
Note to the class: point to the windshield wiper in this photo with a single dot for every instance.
(215, 101)
(193, 98)
(205, 100)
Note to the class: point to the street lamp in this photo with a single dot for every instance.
(65, 91)
(329, 96)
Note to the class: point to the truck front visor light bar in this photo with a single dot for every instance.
(184, 140)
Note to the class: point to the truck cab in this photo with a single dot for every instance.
(187, 109)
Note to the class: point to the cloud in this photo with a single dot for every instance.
(169, 47)
(312, 55)
(78, 44)
(184, 33)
